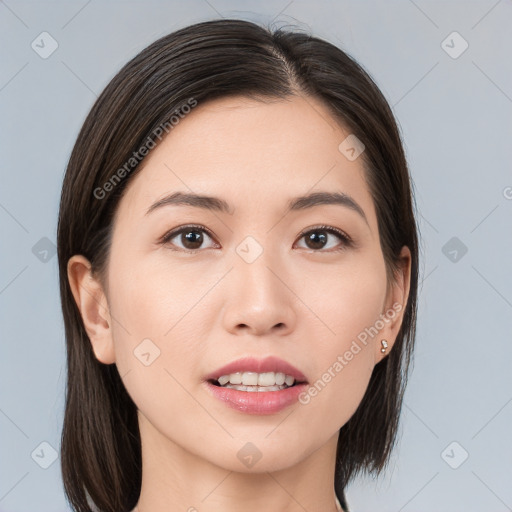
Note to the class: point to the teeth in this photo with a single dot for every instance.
(280, 378)
(265, 380)
(255, 388)
(223, 380)
(249, 379)
(235, 378)
(289, 380)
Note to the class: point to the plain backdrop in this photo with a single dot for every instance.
(445, 68)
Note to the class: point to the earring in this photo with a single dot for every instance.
(384, 346)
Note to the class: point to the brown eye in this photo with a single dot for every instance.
(318, 238)
(191, 238)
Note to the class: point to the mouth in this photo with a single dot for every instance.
(250, 374)
(262, 401)
(259, 382)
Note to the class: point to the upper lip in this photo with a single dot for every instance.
(251, 364)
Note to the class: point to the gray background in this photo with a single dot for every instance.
(455, 116)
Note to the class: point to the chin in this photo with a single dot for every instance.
(259, 455)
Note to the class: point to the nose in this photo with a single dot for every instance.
(261, 300)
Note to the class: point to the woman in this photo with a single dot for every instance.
(238, 264)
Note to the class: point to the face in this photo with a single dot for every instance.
(302, 284)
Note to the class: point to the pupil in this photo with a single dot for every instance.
(314, 238)
(191, 238)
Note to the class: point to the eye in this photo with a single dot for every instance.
(316, 238)
(192, 237)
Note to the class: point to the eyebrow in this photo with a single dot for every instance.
(295, 204)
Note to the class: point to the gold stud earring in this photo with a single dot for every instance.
(384, 346)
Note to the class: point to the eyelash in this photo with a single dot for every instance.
(346, 240)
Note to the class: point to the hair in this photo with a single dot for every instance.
(101, 456)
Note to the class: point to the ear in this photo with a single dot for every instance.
(92, 303)
(396, 301)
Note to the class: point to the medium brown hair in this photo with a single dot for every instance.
(100, 446)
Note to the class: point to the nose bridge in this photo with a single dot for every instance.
(257, 266)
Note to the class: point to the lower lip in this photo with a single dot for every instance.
(257, 402)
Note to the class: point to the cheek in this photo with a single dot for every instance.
(163, 312)
(346, 298)
(154, 299)
(348, 301)
(361, 296)
(157, 338)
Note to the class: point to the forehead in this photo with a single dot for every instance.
(240, 148)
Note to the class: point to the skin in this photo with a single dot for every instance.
(299, 303)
